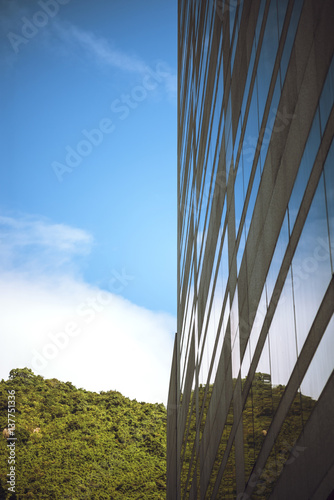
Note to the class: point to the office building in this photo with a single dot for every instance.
(251, 400)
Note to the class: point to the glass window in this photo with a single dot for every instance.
(239, 197)
(211, 332)
(267, 57)
(287, 437)
(246, 361)
(248, 430)
(329, 186)
(220, 453)
(237, 139)
(294, 20)
(261, 312)
(248, 81)
(283, 355)
(270, 128)
(311, 266)
(321, 365)
(237, 5)
(220, 88)
(216, 118)
(228, 137)
(259, 21)
(281, 10)
(327, 97)
(234, 48)
(227, 488)
(188, 444)
(306, 165)
(235, 344)
(236, 356)
(229, 153)
(250, 140)
(277, 259)
(252, 198)
(268, 475)
(186, 331)
(221, 336)
(223, 269)
(241, 249)
(231, 6)
(262, 399)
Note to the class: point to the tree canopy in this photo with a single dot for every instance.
(76, 444)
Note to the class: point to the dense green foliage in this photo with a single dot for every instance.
(258, 412)
(74, 444)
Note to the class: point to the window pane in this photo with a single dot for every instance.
(306, 165)
(281, 245)
(290, 37)
(311, 266)
(329, 186)
(267, 56)
(262, 399)
(321, 365)
(282, 339)
(327, 97)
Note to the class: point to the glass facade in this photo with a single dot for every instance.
(251, 393)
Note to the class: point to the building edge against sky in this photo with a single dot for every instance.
(250, 408)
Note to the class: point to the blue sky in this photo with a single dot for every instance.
(88, 191)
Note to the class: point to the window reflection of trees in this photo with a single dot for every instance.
(257, 416)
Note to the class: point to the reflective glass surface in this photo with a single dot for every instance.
(311, 266)
(256, 242)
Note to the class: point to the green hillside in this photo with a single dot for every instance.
(74, 444)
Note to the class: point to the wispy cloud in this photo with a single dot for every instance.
(28, 230)
(117, 345)
(68, 40)
(106, 55)
(34, 244)
(99, 49)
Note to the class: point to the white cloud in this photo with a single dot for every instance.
(33, 245)
(28, 230)
(102, 52)
(67, 39)
(61, 327)
(100, 49)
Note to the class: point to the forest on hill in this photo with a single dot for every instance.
(80, 445)
(75, 444)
